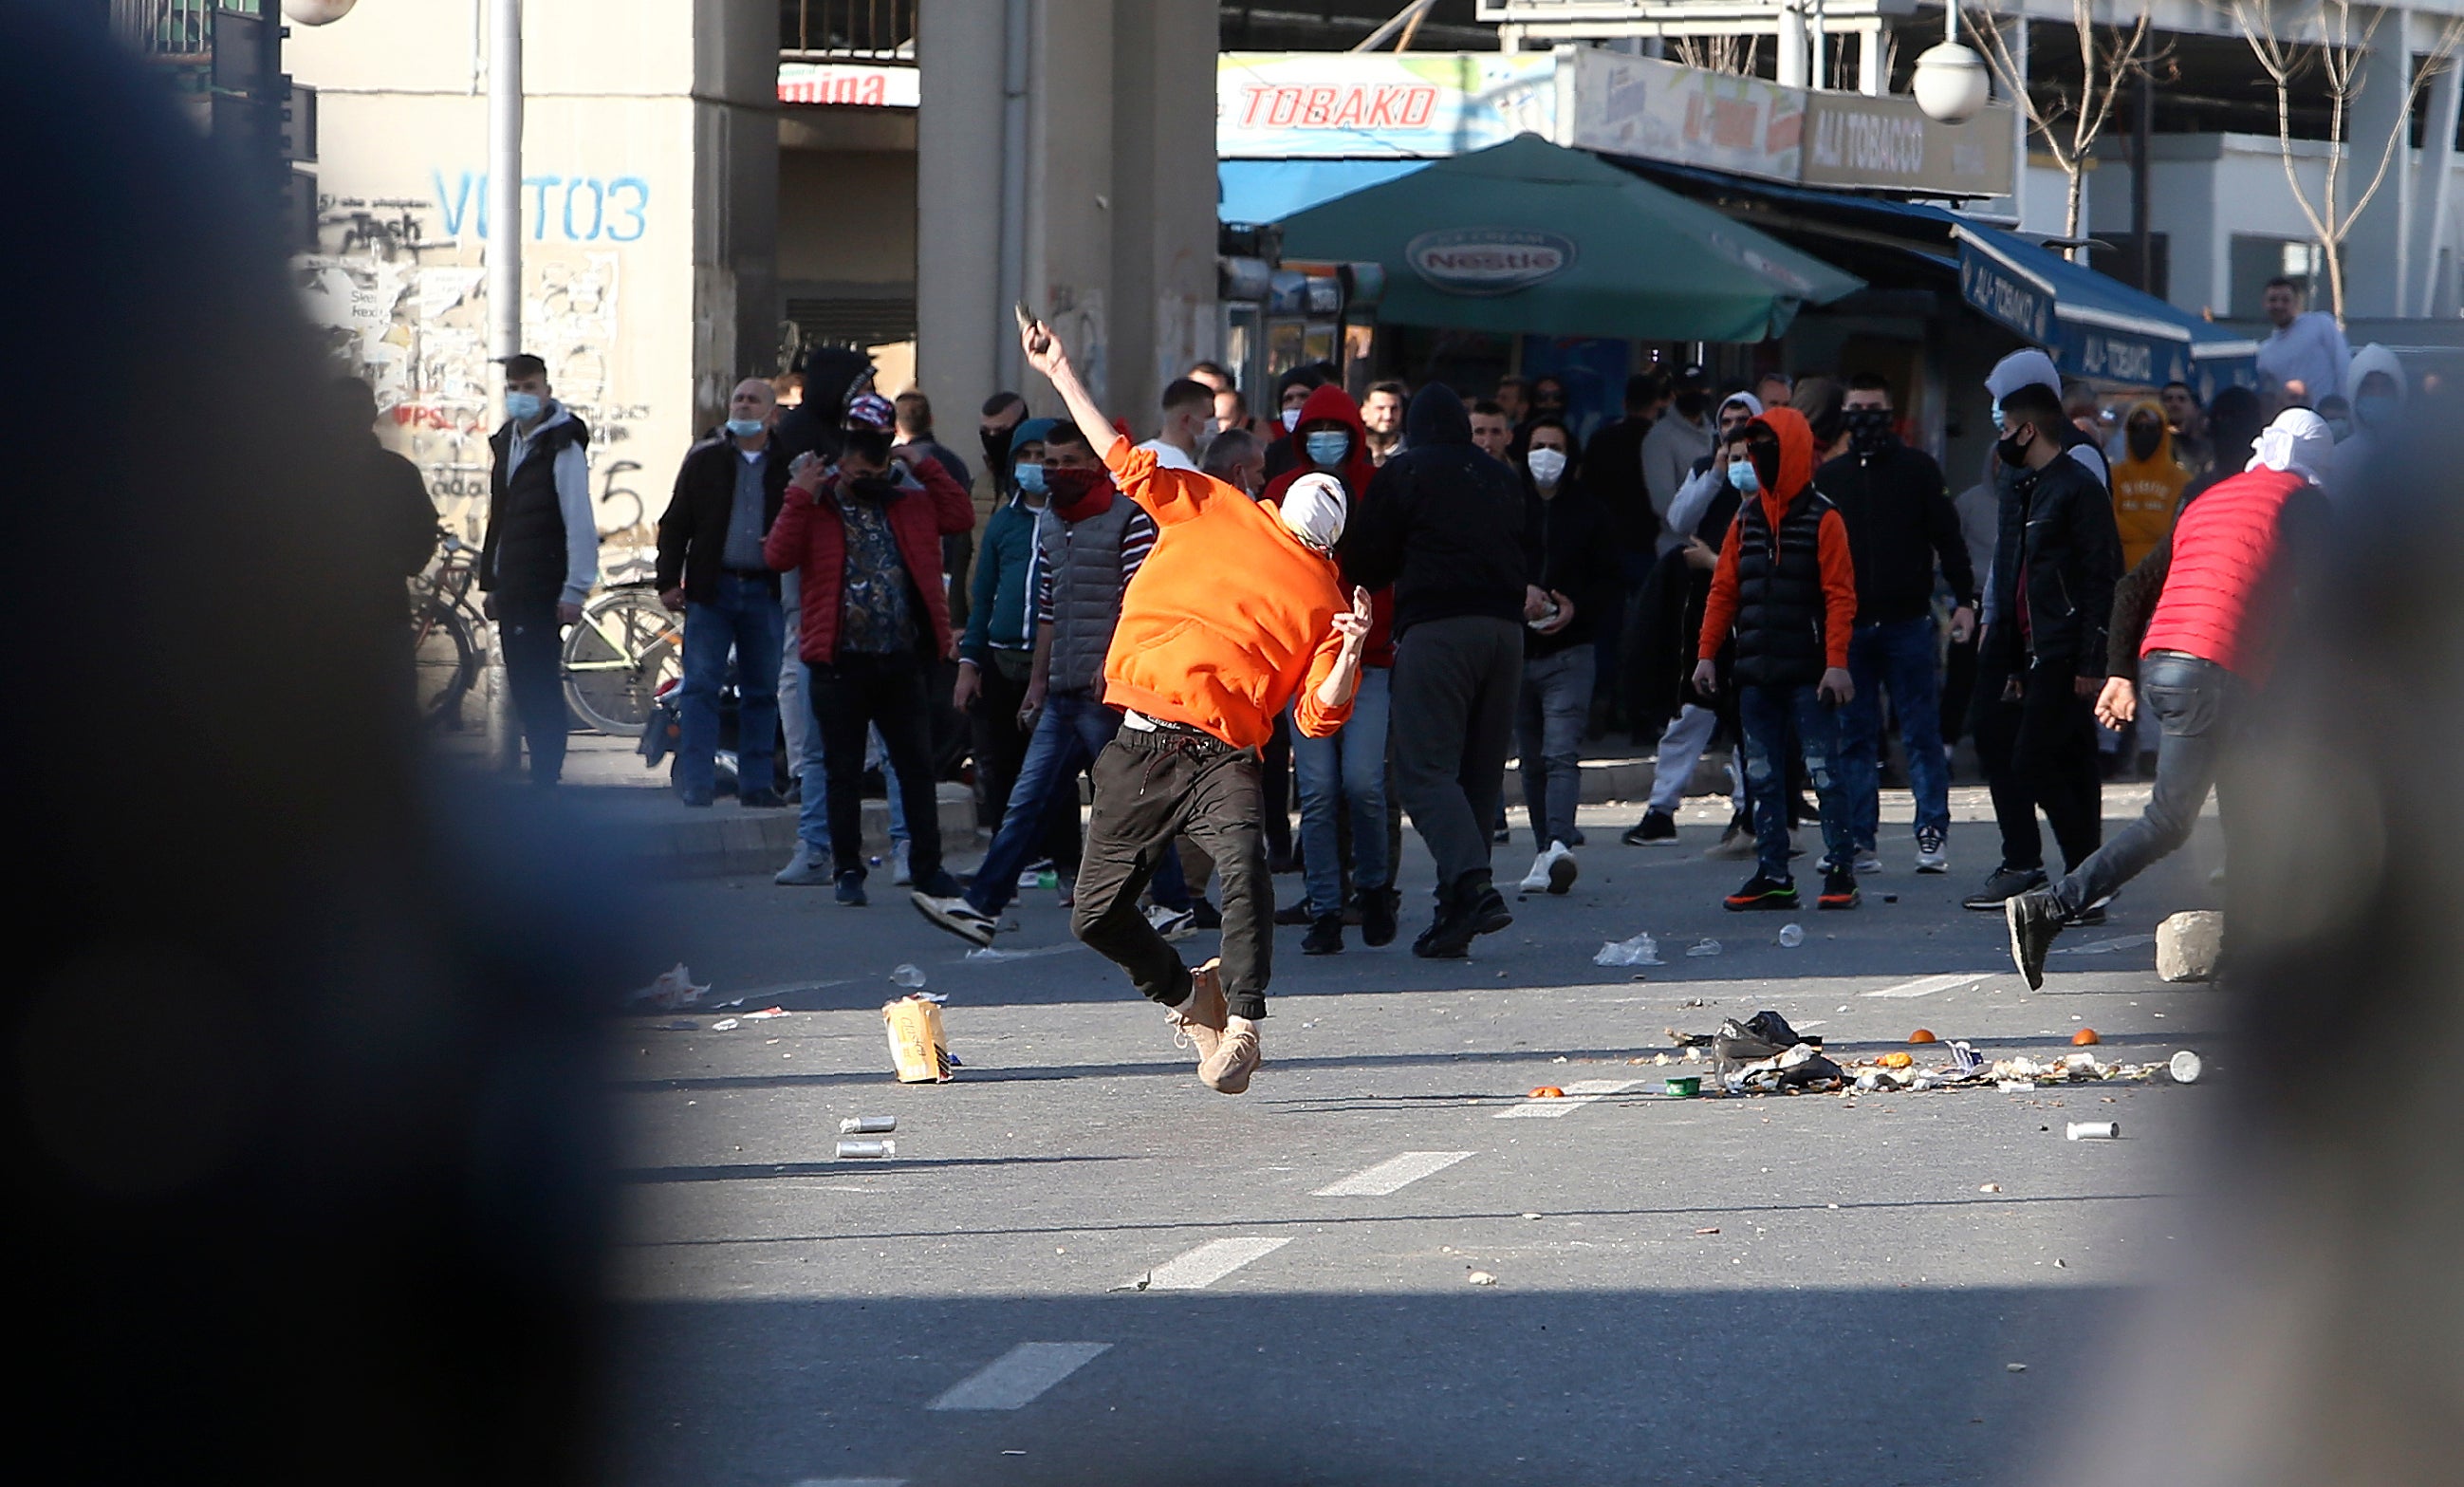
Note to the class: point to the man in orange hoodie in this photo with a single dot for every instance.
(1786, 587)
(1236, 615)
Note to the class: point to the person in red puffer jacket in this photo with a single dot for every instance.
(1347, 772)
(864, 535)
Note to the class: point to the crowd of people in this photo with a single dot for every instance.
(1366, 608)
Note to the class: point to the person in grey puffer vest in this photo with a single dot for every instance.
(1089, 543)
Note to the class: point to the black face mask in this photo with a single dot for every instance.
(1869, 429)
(2013, 454)
(1690, 405)
(997, 446)
(2143, 441)
(874, 488)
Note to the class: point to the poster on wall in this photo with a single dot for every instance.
(1285, 106)
(1635, 105)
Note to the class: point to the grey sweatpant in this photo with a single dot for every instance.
(1457, 683)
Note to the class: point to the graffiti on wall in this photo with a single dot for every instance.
(399, 286)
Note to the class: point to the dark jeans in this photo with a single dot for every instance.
(1069, 737)
(534, 648)
(2040, 751)
(999, 743)
(1151, 786)
(2197, 704)
(851, 696)
(1958, 688)
(1555, 710)
(1765, 715)
(742, 616)
(1898, 657)
(1457, 683)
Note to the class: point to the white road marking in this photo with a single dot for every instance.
(1209, 1263)
(996, 956)
(854, 1481)
(1580, 1092)
(1927, 985)
(1391, 1175)
(1016, 1378)
(2106, 947)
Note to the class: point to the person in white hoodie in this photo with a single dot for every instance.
(2379, 393)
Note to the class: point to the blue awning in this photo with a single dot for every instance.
(2095, 326)
(1255, 192)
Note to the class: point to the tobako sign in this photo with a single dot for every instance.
(1299, 105)
(1484, 262)
(1355, 105)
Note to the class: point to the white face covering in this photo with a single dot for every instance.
(1292, 420)
(1313, 511)
(1548, 465)
(2299, 441)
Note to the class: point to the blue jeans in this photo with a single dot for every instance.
(1897, 654)
(1072, 730)
(876, 756)
(1765, 714)
(1346, 772)
(1555, 709)
(742, 616)
(804, 734)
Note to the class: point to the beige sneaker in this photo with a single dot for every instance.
(1200, 1020)
(1236, 1057)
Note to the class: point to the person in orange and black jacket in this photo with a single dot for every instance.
(1345, 773)
(1786, 586)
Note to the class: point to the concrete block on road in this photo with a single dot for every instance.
(2188, 947)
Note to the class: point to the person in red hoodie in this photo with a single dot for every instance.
(1347, 772)
(2225, 576)
(864, 535)
(1786, 587)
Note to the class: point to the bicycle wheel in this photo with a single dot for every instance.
(626, 646)
(444, 661)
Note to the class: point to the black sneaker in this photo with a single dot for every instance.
(1377, 908)
(1204, 915)
(1762, 893)
(760, 799)
(2035, 920)
(2087, 918)
(1325, 936)
(1655, 827)
(851, 892)
(1296, 913)
(1475, 908)
(2006, 883)
(1838, 889)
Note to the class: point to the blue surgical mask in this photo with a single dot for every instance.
(1998, 427)
(2377, 409)
(522, 407)
(1028, 476)
(1741, 475)
(1326, 446)
(745, 428)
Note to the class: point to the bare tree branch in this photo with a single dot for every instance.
(2110, 59)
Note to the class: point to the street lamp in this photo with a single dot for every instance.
(1952, 84)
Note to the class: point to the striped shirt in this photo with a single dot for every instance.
(1137, 540)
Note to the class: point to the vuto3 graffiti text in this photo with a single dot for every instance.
(575, 209)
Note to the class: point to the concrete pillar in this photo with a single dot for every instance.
(1793, 45)
(2430, 189)
(1870, 78)
(2376, 246)
(736, 201)
(961, 308)
(1163, 211)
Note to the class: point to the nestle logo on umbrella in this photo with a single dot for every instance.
(1489, 260)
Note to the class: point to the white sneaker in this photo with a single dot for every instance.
(809, 868)
(1562, 867)
(898, 873)
(956, 916)
(1173, 924)
(1537, 880)
(1933, 853)
(1868, 860)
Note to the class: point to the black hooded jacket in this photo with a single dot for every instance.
(812, 426)
(1443, 524)
(1901, 523)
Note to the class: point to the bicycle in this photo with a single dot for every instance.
(625, 649)
(446, 651)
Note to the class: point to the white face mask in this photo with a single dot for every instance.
(1312, 510)
(1546, 465)
(1292, 420)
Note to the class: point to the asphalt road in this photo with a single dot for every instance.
(1735, 1291)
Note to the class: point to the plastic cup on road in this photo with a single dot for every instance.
(2185, 1067)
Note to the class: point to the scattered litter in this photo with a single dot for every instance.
(908, 976)
(1897, 1060)
(1546, 1091)
(2085, 1037)
(1702, 948)
(1013, 1453)
(1706, 1230)
(2185, 1067)
(1891, 898)
(988, 953)
(1684, 1087)
(918, 1049)
(1989, 1187)
(1790, 936)
(867, 1149)
(765, 1015)
(2015, 1367)
(2092, 1130)
(1530, 1216)
(1641, 951)
(723, 1025)
(1560, 1059)
(2016, 1086)
(868, 1125)
(1922, 1035)
(673, 990)
(1481, 1277)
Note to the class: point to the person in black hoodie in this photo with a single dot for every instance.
(2042, 653)
(1570, 558)
(833, 375)
(1900, 524)
(1442, 526)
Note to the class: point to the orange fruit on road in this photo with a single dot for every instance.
(2084, 1038)
(1897, 1060)
(1922, 1035)
(1547, 1092)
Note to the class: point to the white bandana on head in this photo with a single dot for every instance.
(1314, 510)
(2297, 441)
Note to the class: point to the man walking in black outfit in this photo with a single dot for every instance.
(1444, 526)
(2055, 567)
(541, 552)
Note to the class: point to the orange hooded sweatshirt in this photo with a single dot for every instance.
(1230, 620)
(1838, 567)
(2146, 492)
